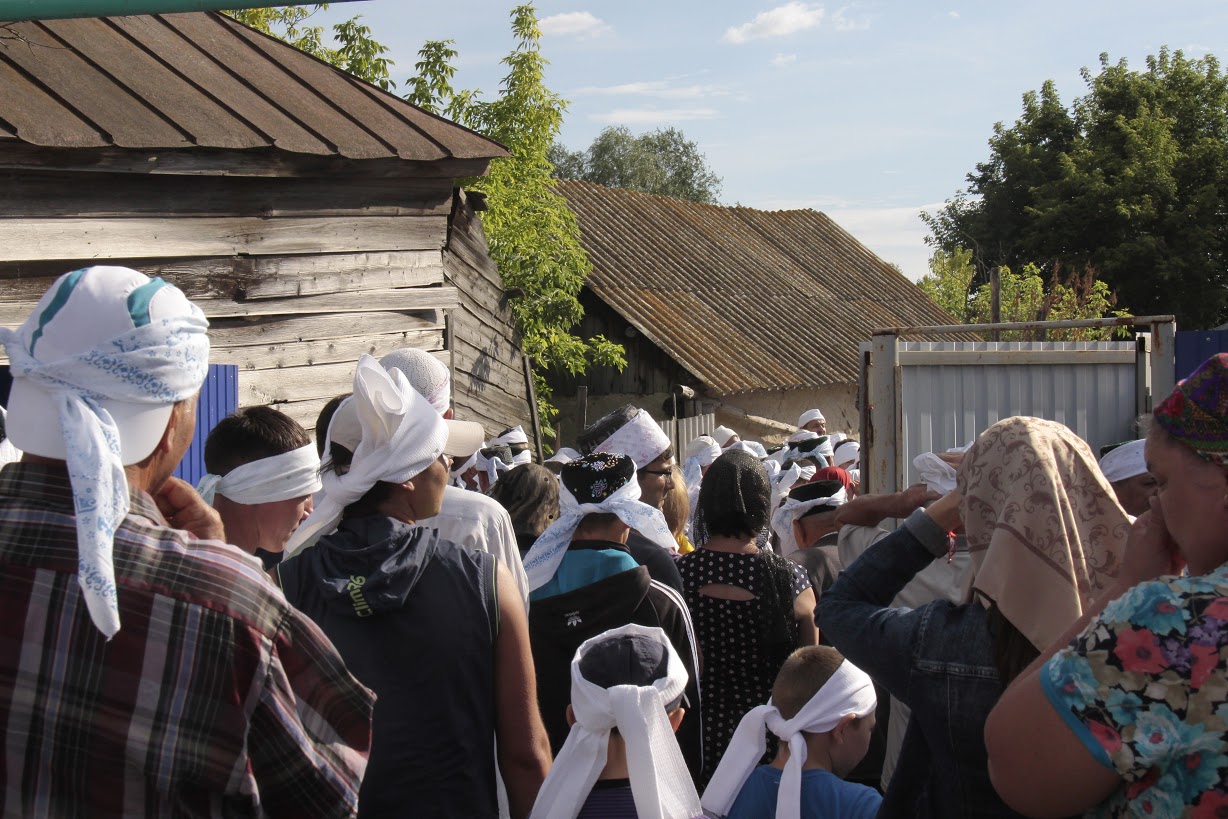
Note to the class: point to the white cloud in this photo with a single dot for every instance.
(894, 233)
(583, 24)
(661, 89)
(954, 15)
(781, 60)
(654, 116)
(843, 22)
(778, 22)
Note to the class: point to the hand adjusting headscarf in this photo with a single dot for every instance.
(161, 361)
(660, 783)
(848, 692)
(543, 559)
(402, 435)
(281, 477)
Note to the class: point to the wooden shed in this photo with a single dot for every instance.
(759, 312)
(312, 216)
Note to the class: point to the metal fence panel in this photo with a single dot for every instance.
(688, 430)
(219, 397)
(1196, 346)
(952, 391)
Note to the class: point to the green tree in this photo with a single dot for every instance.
(1132, 179)
(1024, 296)
(663, 161)
(354, 49)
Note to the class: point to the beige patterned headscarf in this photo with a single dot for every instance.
(1044, 528)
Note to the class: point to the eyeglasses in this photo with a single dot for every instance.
(664, 473)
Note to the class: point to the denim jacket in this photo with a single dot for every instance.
(937, 659)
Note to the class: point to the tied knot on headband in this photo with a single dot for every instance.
(849, 692)
(281, 477)
(97, 368)
(596, 483)
(628, 678)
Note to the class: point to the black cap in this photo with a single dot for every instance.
(627, 659)
(816, 489)
(593, 478)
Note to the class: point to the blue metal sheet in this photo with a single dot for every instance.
(1196, 346)
(219, 397)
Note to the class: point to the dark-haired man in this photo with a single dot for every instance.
(263, 470)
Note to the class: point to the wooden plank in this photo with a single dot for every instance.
(32, 239)
(304, 353)
(495, 404)
(490, 365)
(407, 298)
(204, 162)
(321, 381)
(48, 194)
(265, 330)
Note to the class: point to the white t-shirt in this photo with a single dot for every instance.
(472, 520)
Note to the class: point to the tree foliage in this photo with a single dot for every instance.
(1025, 296)
(1131, 179)
(353, 49)
(663, 161)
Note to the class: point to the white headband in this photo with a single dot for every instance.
(641, 438)
(848, 452)
(722, 435)
(492, 466)
(281, 477)
(801, 435)
(810, 415)
(849, 692)
(935, 473)
(792, 509)
(660, 783)
(543, 559)
(402, 435)
(1123, 462)
(162, 362)
(515, 435)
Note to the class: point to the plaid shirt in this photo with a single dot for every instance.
(216, 698)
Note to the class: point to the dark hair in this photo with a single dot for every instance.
(595, 433)
(325, 418)
(530, 494)
(338, 461)
(596, 520)
(252, 434)
(734, 499)
(1012, 652)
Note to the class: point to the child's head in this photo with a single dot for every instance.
(631, 659)
(801, 677)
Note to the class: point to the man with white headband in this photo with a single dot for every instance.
(812, 420)
(163, 670)
(621, 758)
(436, 630)
(1126, 470)
(492, 461)
(515, 439)
(822, 711)
(468, 519)
(631, 431)
(806, 526)
(585, 581)
(263, 470)
(725, 437)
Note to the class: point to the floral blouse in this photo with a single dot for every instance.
(1145, 687)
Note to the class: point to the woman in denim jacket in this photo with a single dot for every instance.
(1045, 533)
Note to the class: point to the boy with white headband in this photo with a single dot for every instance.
(468, 519)
(631, 431)
(621, 760)
(515, 439)
(585, 581)
(822, 711)
(263, 470)
(151, 672)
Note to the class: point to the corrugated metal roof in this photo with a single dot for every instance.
(744, 299)
(202, 80)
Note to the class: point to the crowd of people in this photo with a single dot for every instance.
(402, 618)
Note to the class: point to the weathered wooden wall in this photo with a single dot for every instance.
(298, 276)
(488, 383)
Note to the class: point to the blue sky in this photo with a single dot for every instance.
(869, 112)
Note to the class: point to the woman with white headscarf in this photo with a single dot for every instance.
(1046, 536)
(437, 631)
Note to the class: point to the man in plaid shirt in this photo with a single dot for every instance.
(145, 669)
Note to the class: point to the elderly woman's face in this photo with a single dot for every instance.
(1193, 496)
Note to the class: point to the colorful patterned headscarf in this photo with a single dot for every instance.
(1196, 413)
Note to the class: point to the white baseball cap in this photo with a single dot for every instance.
(84, 310)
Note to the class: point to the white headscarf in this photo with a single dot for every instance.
(511, 438)
(543, 559)
(161, 362)
(492, 465)
(801, 435)
(938, 475)
(458, 471)
(402, 435)
(784, 480)
(848, 452)
(722, 435)
(792, 509)
(1124, 462)
(810, 415)
(701, 452)
(281, 477)
(848, 692)
(641, 438)
(660, 783)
